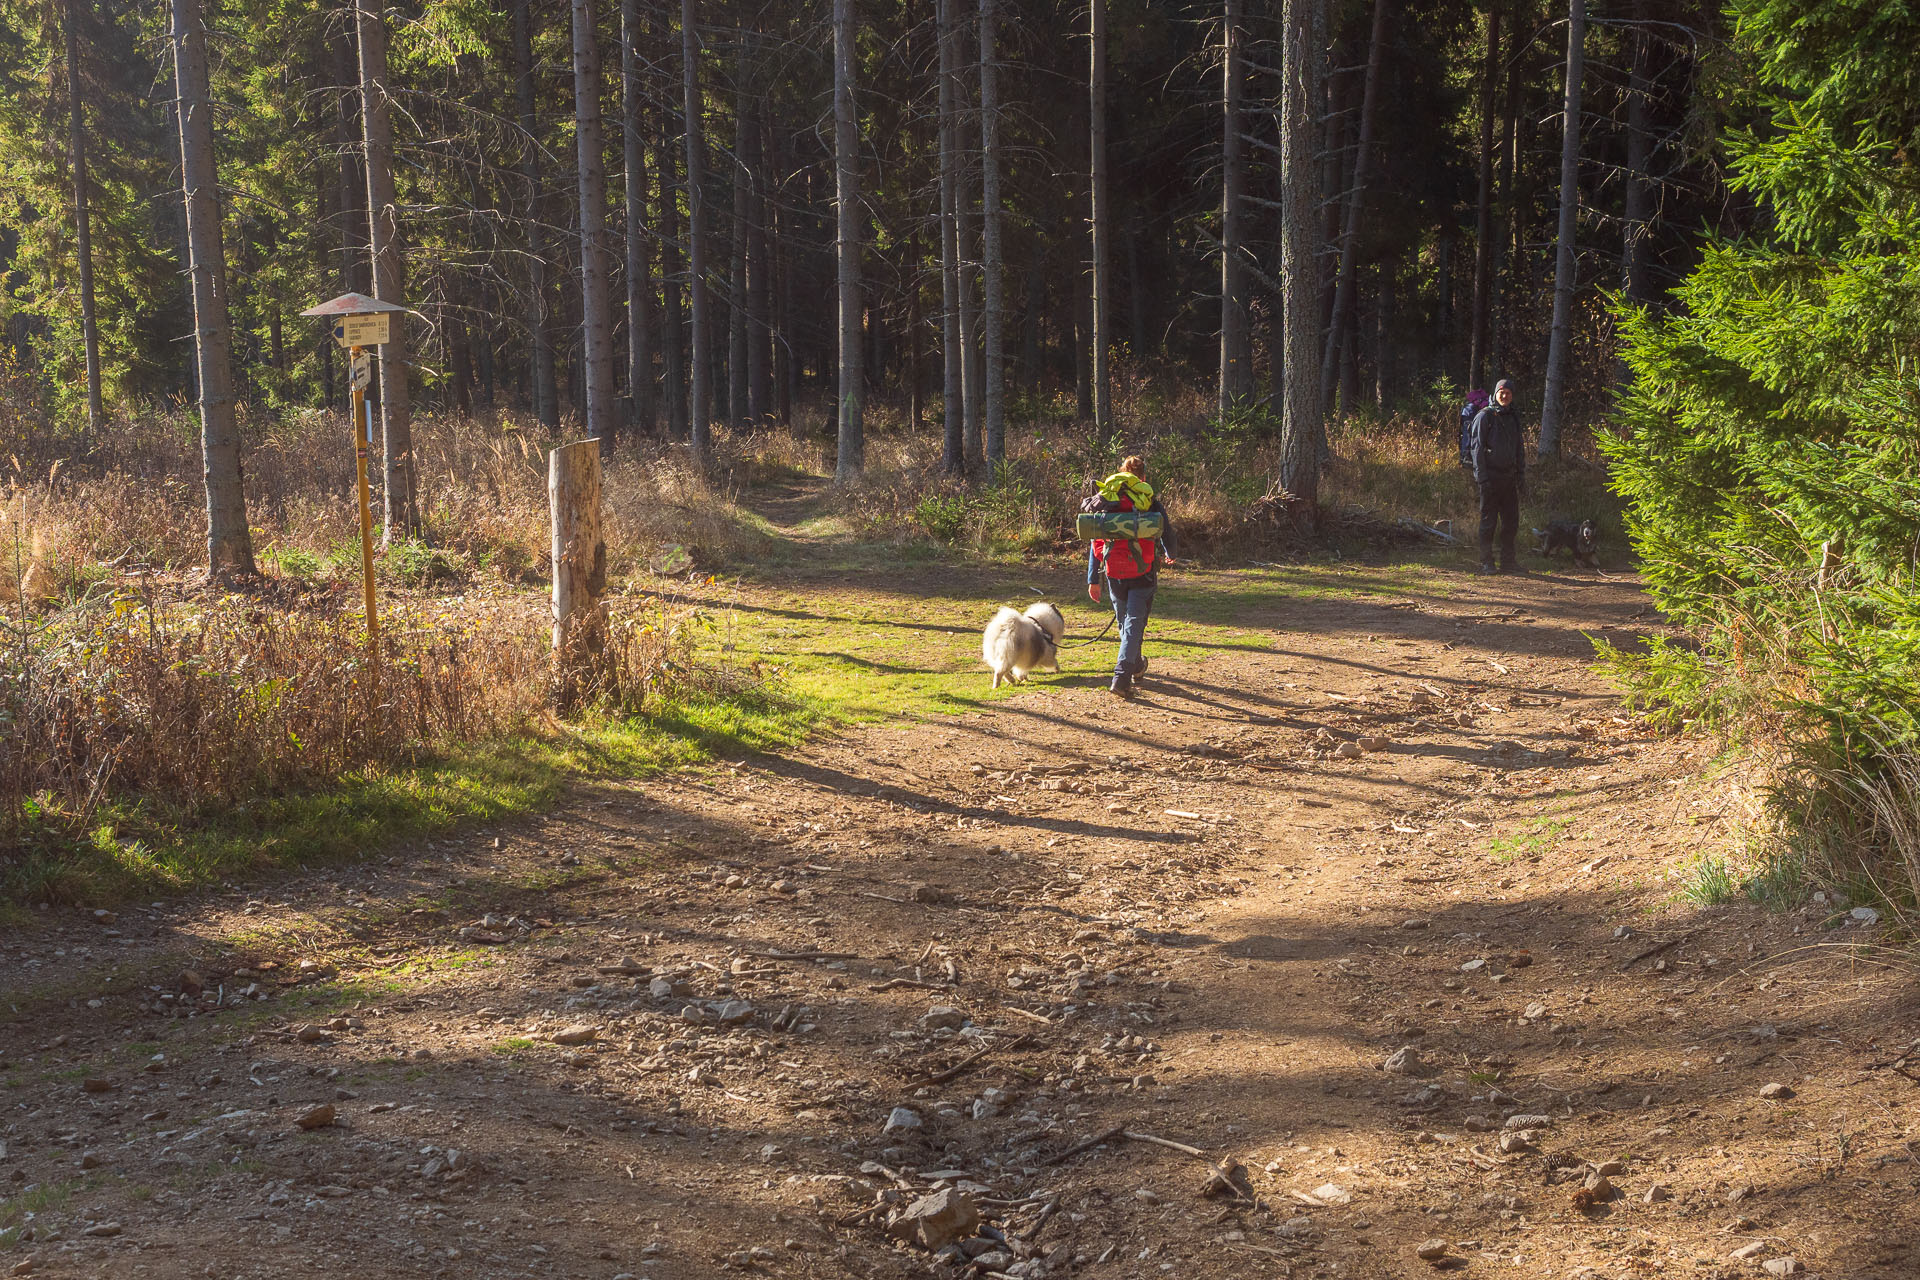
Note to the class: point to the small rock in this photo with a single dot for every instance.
(1611, 1168)
(1430, 1250)
(661, 989)
(1514, 1141)
(91, 1160)
(930, 894)
(1776, 1090)
(1333, 1194)
(318, 1117)
(94, 1084)
(1524, 1121)
(734, 1012)
(1782, 1266)
(1418, 922)
(1749, 1251)
(901, 1119)
(1375, 742)
(307, 1033)
(943, 1015)
(102, 1230)
(1868, 917)
(1656, 1194)
(1739, 1193)
(1404, 1061)
(1534, 1012)
(937, 1220)
(580, 1034)
(1599, 1188)
(1473, 966)
(1348, 751)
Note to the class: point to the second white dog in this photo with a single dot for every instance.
(1015, 644)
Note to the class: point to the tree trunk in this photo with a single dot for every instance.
(82, 228)
(1302, 427)
(699, 408)
(846, 247)
(1483, 222)
(1510, 204)
(398, 484)
(639, 284)
(993, 304)
(1552, 402)
(355, 272)
(541, 372)
(759, 277)
(1234, 383)
(1633, 250)
(229, 544)
(1101, 217)
(673, 360)
(737, 294)
(596, 255)
(952, 350)
(1343, 296)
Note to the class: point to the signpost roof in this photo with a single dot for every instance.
(351, 304)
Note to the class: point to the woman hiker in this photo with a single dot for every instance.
(1132, 569)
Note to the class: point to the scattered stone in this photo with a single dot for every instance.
(937, 1220)
(900, 1120)
(1478, 1124)
(929, 894)
(1748, 1252)
(662, 989)
(102, 1230)
(94, 1084)
(1782, 1266)
(307, 1033)
(317, 1117)
(1866, 917)
(1524, 1121)
(91, 1160)
(1739, 1193)
(1332, 1194)
(733, 1013)
(1514, 1141)
(1611, 1168)
(1430, 1250)
(1520, 960)
(1375, 742)
(1534, 1012)
(1776, 1090)
(1656, 1194)
(1405, 1061)
(1418, 922)
(1348, 751)
(1295, 1228)
(943, 1016)
(580, 1034)
(1473, 966)
(1599, 1188)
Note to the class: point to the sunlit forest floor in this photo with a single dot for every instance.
(1451, 992)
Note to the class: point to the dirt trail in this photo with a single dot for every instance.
(1185, 917)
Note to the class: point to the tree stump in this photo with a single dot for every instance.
(579, 568)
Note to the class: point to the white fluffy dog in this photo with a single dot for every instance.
(1015, 644)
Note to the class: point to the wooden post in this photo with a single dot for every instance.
(579, 564)
(362, 442)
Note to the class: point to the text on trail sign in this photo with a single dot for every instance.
(362, 371)
(362, 331)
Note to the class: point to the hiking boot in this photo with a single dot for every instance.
(1122, 685)
(1138, 667)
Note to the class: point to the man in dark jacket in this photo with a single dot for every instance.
(1499, 453)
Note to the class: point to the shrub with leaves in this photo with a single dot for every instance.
(1769, 444)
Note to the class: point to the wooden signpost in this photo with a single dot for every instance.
(360, 322)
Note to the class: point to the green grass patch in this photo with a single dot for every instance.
(1535, 839)
(512, 1046)
(140, 848)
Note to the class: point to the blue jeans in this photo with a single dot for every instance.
(1132, 602)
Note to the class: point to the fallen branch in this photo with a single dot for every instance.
(801, 955)
(891, 983)
(1118, 1131)
(1164, 1142)
(961, 1067)
(1028, 1013)
(1657, 948)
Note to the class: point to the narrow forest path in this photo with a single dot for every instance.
(734, 1020)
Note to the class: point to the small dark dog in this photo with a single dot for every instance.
(1582, 539)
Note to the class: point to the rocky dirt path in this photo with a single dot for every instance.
(1193, 986)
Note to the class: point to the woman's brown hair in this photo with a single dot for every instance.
(1134, 466)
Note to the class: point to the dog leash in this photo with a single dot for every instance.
(1084, 643)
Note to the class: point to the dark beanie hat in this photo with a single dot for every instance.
(1503, 384)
